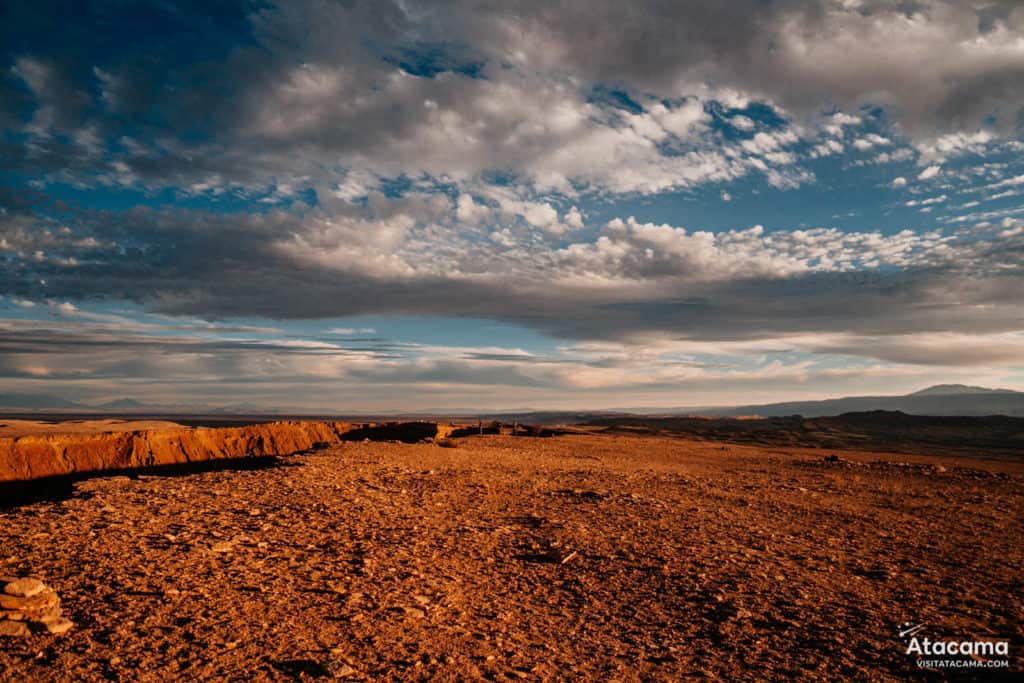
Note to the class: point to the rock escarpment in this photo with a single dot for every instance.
(37, 456)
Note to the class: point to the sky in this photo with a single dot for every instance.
(424, 206)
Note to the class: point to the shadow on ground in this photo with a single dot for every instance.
(17, 493)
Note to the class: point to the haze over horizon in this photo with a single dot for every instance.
(399, 206)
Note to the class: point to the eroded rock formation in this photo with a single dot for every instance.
(38, 456)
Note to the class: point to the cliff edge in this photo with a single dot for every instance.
(46, 455)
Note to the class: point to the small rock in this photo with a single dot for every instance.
(222, 547)
(414, 613)
(341, 670)
(25, 587)
(39, 601)
(60, 626)
(14, 629)
(50, 615)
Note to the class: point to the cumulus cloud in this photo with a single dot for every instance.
(953, 144)
(742, 122)
(827, 148)
(411, 255)
(933, 62)
(468, 211)
(315, 90)
(869, 141)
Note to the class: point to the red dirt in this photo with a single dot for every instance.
(589, 557)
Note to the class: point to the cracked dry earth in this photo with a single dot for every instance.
(585, 557)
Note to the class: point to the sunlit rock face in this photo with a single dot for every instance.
(35, 456)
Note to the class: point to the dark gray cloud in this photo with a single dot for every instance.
(731, 286)
(938, 64)
(261, 94)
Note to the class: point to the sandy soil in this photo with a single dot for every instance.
(589, 557)
(10, 427)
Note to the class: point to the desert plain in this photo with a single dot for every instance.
(598, 553)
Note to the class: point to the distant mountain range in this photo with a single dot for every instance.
(940, 400)
(122, 404)
(958, 390)
(36, 402)
(47, 403)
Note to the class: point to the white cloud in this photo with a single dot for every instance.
(834, 124)
(826, 148)
(742, 122)
(870, 141)
(357, 183)
(471, 213)
(890, 157)
(349, 331)
(899, 182)
(573, 219)
(64, 308)
(929, 173)
(631, 252)
(541, 215)
(683, 120)
(953, 144)
(1014, 181)
(927, 202)
(1003, 195)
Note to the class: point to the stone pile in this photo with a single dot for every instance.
(28, 604)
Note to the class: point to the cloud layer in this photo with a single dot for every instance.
(413, 255)
(308, 89)
(662, 188)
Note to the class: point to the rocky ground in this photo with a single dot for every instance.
(584, 557)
